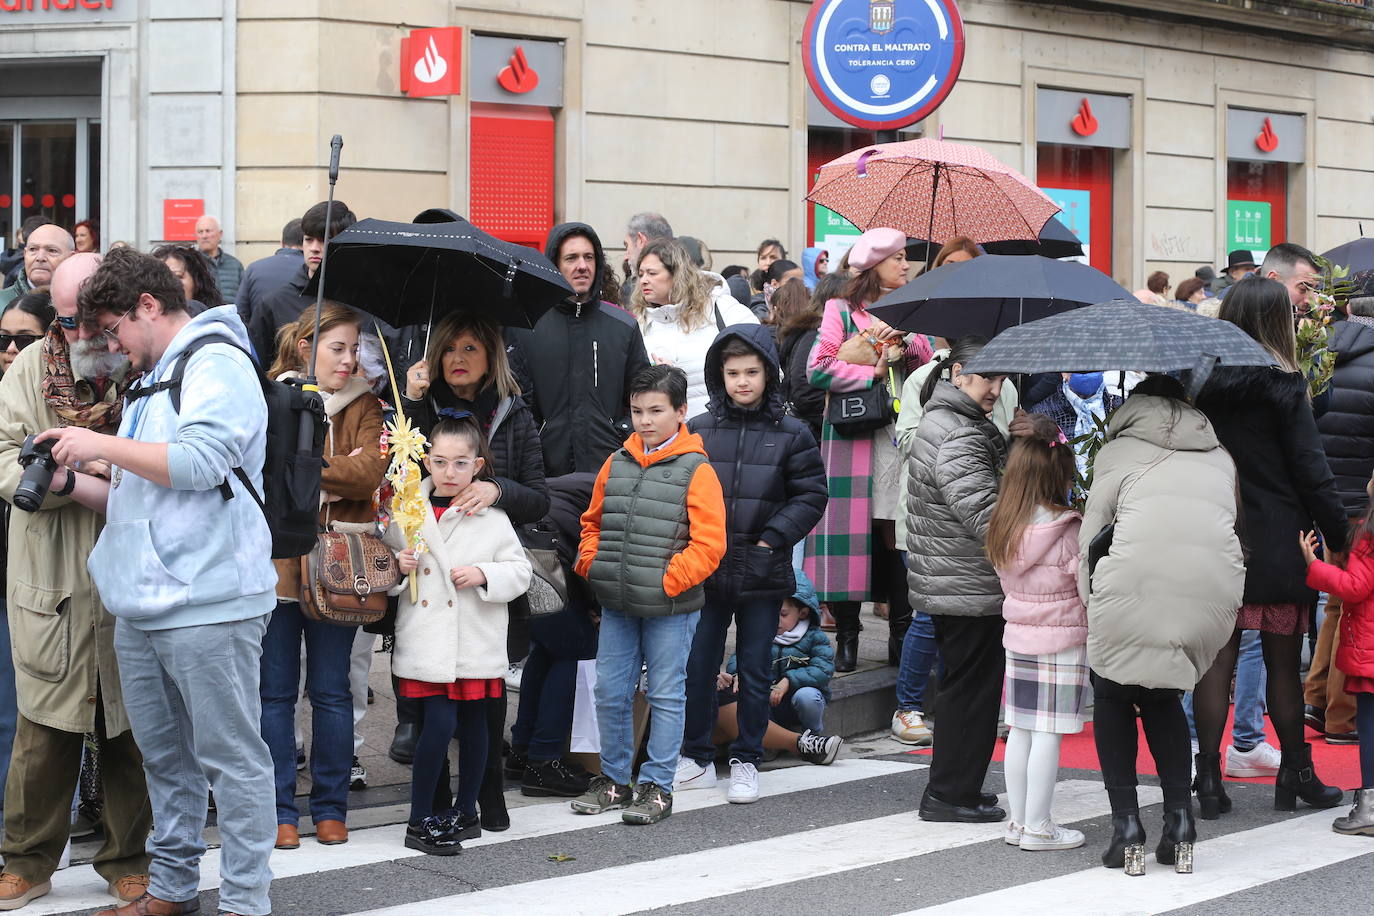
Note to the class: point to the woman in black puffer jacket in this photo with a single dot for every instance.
(466, 369)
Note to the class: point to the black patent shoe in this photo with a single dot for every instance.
(846, 652)
(434, 836)
(1127, 848)
(464, 826)
(1176, 844)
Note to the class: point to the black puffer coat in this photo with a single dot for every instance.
(517, 463)
(1347, 428)
(1263, 418)
(770, 471)
(806, 401)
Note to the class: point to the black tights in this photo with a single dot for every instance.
(443, 719)
(1114, 731)
(1283, 695)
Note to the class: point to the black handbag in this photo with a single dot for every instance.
(854, 414)
(1100, 546)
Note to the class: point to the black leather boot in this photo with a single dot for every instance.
(896, 635)
(1176, 845)
(491, 798)
(847, 629)
(1211, 795)
(1127, 848)
(1297, 779)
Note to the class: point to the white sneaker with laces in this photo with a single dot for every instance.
(1261, 760)
(692, 775)
(744, 783)
(512, 677)
(909, 727)
(1013, 835)
(1048, 836)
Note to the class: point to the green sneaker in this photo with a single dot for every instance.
(651, 805)
(604, 794)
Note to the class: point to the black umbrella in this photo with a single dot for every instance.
(1056, 241)
(992, 293)
(1357, 255)
(1120, 334)
(407, 273)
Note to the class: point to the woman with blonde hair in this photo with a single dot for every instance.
(673, 303)
(354, 466)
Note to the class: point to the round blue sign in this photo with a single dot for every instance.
(883, 64)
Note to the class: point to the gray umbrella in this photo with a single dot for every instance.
(1120, 334)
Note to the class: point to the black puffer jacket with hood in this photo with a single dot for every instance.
(1347, 428)
(580, 358)
(770, 471)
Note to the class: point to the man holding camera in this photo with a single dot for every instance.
(187, 573)
(66, 675)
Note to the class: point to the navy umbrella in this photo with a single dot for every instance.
(1056, 241)
(407, 273)
(1357, 255)
(989, 294)
(1121, 334)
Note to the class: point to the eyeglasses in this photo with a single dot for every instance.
(103, 338)
(20, 341)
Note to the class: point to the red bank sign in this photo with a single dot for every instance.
(430, 62)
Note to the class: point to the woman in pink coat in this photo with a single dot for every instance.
(1033, 545)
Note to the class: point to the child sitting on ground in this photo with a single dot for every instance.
(802, 663)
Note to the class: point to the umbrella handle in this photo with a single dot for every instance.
(861, 167)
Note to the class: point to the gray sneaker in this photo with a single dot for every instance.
(603, 794)
(651, 805)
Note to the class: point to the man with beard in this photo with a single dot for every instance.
(66, 675)
(44, 248)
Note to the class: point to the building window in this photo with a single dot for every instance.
(1256, 205)
(1079, 180)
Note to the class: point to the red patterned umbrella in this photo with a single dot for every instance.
(935, 190)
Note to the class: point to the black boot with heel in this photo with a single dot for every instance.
(1297, 779)
(1211, 793)
(1176, 844)
(1127, 849)
(847, 629)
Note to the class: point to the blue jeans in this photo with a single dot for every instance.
(9, 709)
(756, 623)
(549, 681)
(328, 655)
(918, 657)
(627, 642)
(1247, 726)
(192, 697)
(803, 709)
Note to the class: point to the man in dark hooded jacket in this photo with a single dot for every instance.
(775, 491)
(580, 356)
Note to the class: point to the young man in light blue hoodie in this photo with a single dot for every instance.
(188, 574)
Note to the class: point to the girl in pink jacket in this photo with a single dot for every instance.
(1033, 545)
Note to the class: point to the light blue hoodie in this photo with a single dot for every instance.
(808, 264)
(184, 556)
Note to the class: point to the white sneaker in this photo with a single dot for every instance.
(744, 783)
(1261, 760)
(1013, 835)
(512, 677)
(1050, 835)
(692, 775)
(909, 727)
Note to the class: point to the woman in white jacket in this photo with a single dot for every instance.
(450, 647)
(680, 316)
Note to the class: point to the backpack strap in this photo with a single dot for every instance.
(720, 319)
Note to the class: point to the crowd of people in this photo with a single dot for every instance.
(674, 433)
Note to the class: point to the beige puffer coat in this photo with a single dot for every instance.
(1163, 601)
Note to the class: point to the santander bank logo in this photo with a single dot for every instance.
(430, 62)
(518, 76)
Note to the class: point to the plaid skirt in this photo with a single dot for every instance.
(1047, 693)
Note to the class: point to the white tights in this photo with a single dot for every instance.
(1032, 766)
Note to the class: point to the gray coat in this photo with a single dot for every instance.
(952, 476)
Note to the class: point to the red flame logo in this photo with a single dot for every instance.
(518, 77)
(1084, 124)
(1267, 141)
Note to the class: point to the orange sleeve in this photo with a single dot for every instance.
(706, 534)
(591, 523)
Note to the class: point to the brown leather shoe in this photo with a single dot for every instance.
(288, 837)
(148, 905)
(15, 892)
(331, 833)
(129, 888)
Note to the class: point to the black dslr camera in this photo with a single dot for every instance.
(38, 464)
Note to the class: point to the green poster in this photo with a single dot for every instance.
(1247, 225)
(830, 224)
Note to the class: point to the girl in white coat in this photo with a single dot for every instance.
(450, 649)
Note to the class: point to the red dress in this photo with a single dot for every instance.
(1354, 585)
(461, 689)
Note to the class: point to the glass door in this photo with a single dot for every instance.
(49, 169)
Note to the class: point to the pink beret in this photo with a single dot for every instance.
(876, 246)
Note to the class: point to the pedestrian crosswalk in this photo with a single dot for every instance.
(845, 834)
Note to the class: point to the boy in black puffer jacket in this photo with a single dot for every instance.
(775, 492)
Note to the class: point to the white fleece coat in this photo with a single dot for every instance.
(458, 633)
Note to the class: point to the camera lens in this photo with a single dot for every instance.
(33, 486)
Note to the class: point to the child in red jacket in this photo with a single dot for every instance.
(1354, 585)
